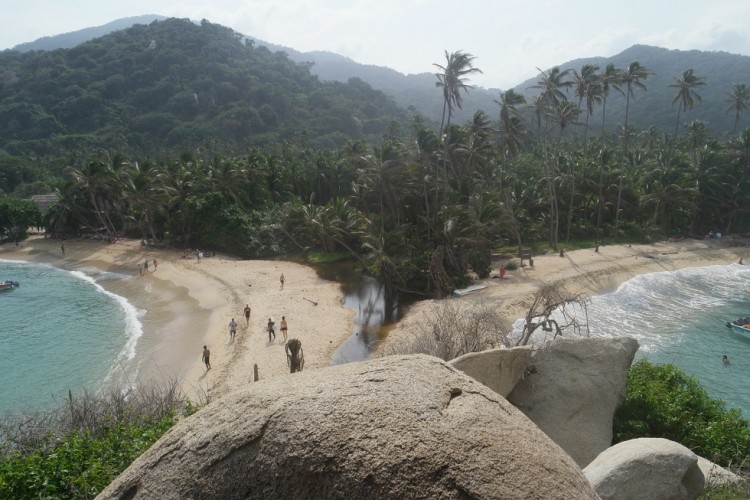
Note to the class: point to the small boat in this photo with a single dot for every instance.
(460, 292)
(9, 285)
(741, 326)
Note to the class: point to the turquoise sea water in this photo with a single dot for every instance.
(680, 317)
(59, 331)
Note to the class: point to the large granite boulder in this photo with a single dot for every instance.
(498, 369)
(573, 389)
(394, 427)
(664, 469)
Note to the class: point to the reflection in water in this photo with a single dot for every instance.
(366, 296)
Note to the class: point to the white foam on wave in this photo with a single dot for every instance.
(133, 326)
(650, 307)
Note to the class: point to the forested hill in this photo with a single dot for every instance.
(177, 85)
(654, 106)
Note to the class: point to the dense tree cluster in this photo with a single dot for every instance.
(422, 208)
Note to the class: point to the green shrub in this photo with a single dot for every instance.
(663, 401)
(78, 465)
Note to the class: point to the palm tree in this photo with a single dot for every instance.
(738, 98)
(551, 84)
(632, 80)
(588, 87)
(453, 79)
(611, 77)
(511, 121)
(686, 94)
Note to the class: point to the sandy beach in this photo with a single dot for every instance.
(582, 272)
(187, 304)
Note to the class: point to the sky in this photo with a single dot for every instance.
(508, 39)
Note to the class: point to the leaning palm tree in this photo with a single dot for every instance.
(686, 94)
(738, 99)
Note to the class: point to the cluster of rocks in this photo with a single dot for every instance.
(507, 423)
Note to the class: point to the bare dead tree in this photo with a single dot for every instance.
(551, 311)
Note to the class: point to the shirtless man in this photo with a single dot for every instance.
(207, 357)
(232, 328)
(247, 314)
(283, 326)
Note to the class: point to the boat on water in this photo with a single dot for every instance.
(9, 285)
(741, 326)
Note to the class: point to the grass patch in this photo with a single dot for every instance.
(327, 258)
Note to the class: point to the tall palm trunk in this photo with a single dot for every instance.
(622, 169)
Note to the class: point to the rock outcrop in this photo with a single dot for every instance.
(498, 369)
(654, 468)
(573, 389)
(394, 427)
(716, 475)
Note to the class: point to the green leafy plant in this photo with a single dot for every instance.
(663, 401)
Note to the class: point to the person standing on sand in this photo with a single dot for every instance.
(247, 314)
(198, 254)
(155, 264)
(232, 329)
(207, 357)
(62, 249)
(271, 331)
(284, 327)
(282, 280)
(140, 270)
(145, 266)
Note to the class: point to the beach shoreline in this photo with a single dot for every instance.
(582, 273)
(188, 304)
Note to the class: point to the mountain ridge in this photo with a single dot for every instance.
(417, 92)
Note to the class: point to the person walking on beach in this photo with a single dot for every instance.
(282, 280)
(145, 266)
(62, 249)
(247, 314)
(271, 331)
(198, 254)
(155, 264)
(232, 329)
(140, 270)
(284, 327)
(207, 357)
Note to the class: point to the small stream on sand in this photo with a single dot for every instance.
(365, 295)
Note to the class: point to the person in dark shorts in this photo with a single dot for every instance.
(247, 313)
(207, 357)
(284, 326)
(271, 330)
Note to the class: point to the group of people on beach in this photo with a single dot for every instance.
(143, 269)
(247, 311)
